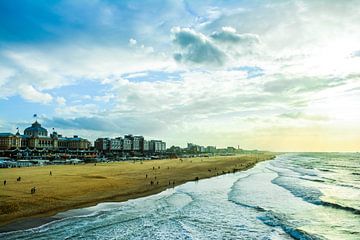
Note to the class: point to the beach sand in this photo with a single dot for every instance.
(75, 186)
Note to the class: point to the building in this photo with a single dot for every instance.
(116, 144)
(36, 137)
(127, 143)
(211, 149)
(156, 146)
(36, 130)
(137, 143)
(9, 141)
(193, 148)
(145, 146)
(73, 143)
(102, 144)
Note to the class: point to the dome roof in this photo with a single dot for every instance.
(35, 129)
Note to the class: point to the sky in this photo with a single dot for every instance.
(272, 75)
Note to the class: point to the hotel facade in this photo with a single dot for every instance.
(37, 139)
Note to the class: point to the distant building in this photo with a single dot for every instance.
(9, 140)
(102, 144)
(230, 149)
(146, 146)
(36, 137)
(175, 149)
(73, 143)
(137, 143)
(106, 144)
(116, 144)
(156, 146)
(127, 143)
(211, 149)
(193, 148)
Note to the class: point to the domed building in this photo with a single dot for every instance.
(36, 130)
(36, 137)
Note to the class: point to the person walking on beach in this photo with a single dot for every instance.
(50, 173)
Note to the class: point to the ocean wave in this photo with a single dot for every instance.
(313, 179)
(308, 194)
(275, 220)
(257, 208)
(272, 219)
(339, 206)
(311, 195)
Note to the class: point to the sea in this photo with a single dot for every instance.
(294, 196)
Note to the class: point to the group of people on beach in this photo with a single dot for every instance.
(157, 182)
(32, 190)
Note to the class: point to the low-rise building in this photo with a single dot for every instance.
(73, 143)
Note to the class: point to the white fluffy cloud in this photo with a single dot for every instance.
(29, 93)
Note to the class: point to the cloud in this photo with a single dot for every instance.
(114, 126)
(196, 48)
(221, 48)
(52, 67)
(284, 84)
(301, 115)
(61, 101)
(132, 42)
(356, 53)
(136, 75)
(229, 35)
(29, 93)
(87, 123)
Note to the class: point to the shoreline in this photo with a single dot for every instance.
(45, 217)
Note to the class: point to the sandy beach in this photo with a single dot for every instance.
(75, 186)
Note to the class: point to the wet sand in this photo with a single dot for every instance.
(76, 186)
